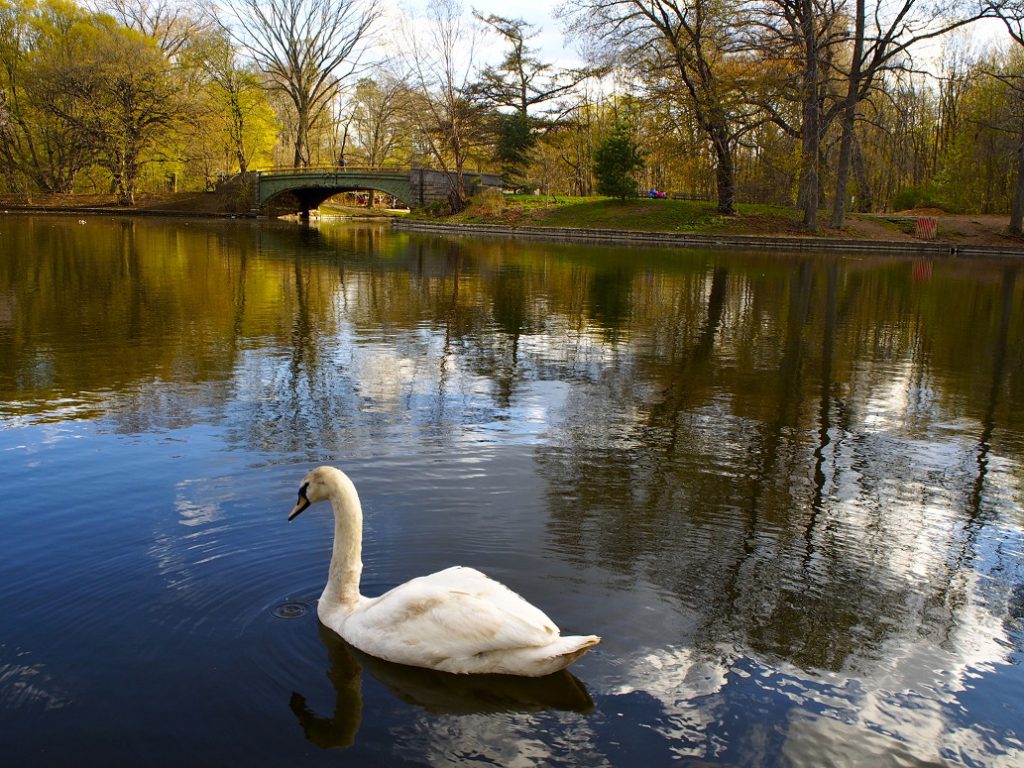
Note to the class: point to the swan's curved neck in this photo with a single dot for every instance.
(346, 561)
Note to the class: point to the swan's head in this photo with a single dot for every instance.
(316, 486)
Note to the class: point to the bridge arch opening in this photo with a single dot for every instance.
(302, 200)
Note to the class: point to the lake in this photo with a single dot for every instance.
(786, 490)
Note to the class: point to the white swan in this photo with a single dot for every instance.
(455, 620)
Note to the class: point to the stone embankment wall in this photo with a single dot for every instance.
(676, 240)
(429, 185)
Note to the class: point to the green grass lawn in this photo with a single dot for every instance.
(638, 214)
(358, 211)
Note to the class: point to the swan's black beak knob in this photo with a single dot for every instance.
(302, 503)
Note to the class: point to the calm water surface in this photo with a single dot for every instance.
(787, 491)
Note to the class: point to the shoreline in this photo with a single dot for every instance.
(627, 237)
(93, 211)
(691, 240)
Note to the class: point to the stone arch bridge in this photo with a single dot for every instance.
(299, 190)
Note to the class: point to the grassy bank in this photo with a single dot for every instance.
(642, 214)
(200, 203)
(331, 208)
(701, 217)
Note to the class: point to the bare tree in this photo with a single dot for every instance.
(1012, 14)
(882, 36)
(172, 23)
(689, 42)
(440, 61)
(804, 34)
(309, 48)
(377, 125)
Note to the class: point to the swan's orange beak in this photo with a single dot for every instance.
(302, 503)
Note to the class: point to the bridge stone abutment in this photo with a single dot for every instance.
(429, 185)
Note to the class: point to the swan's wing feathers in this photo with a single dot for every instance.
(458, 612)
(488, 593)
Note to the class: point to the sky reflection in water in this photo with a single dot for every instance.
(786, 490)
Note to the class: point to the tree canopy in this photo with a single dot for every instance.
(820, 104)
(617, 158)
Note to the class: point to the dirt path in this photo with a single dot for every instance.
(962, 229)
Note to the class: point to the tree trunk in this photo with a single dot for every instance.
(119, 179)
(238, 134)
(125, 189)
(128, 174)
(807, 198)
(301, 157)
(849, 121)
(9, 174)
(811, 129)
(725, 172)
(1017, 204)
(865, 200)
(66, 184)
(849, 118)
(457, 199)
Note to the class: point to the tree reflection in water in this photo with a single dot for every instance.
(801, 467)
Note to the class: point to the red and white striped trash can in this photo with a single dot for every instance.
(926, 228)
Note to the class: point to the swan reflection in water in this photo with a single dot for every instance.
(436, 692)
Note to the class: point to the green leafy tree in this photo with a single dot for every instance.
(239, 121)
(522, 82)
(617, 158)
(515, 144)
(40, 146)
(122, 93)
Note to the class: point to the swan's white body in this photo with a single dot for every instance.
(456, 620)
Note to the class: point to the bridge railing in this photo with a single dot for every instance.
(333, 169)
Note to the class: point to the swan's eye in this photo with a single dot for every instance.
(302, 491)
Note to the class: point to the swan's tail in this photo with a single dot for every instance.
(578, 645)
(531, 661)
(567, 649)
